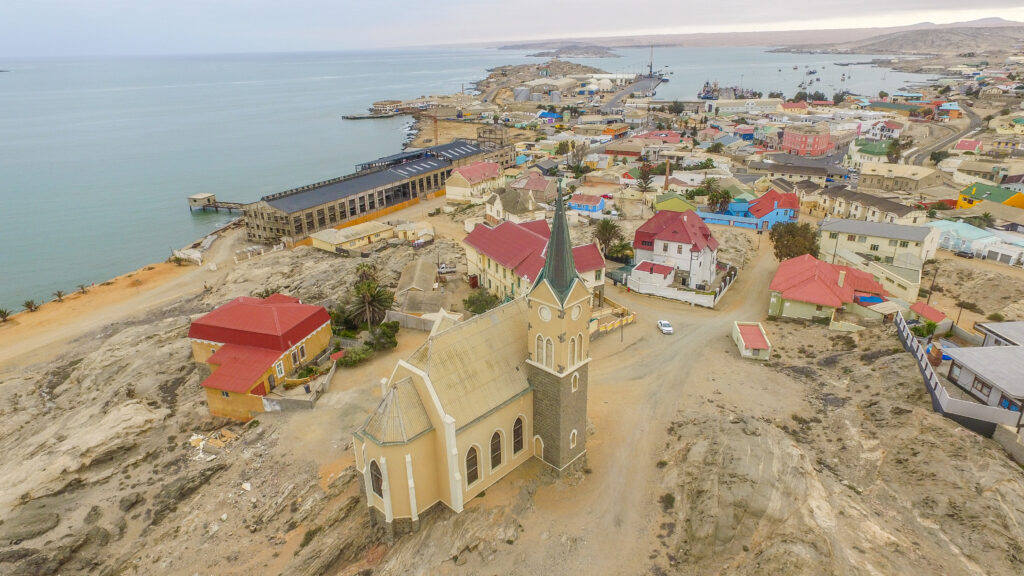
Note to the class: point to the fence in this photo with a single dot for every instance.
(409, 321)
(603, 329)
(972, 415)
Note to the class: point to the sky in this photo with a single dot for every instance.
(133, 27)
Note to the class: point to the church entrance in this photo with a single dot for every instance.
(538, 447)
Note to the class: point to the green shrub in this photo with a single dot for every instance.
(667, 501)
(384, 337)
(355, 356)
(996, 317)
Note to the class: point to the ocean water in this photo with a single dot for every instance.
(98, 155)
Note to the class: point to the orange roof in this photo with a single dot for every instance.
(807, 279)
(752, 337)
(277, 322)
(927, 312)
(237, 368)
(771, 200)
(479, 171)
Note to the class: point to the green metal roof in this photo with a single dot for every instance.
(980, 191)
(873, 147)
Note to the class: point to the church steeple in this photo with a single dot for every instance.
(559, 266)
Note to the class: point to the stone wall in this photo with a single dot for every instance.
(557, 411)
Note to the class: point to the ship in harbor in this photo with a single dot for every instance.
(712, 91)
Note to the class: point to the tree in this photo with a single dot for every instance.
(562, 148)
(620, 251)
(59, 295)
(938, 156)
(894, 151)
(4, 314)
(366, 272)
(577, 155)
(791, 239)
(716, 148)
(643, 179)
(800, 96)
(883, 94)
(818, 95)
(30, 305)
(838, 97)
(385, 336)
(607, 233)
(83, 289)
(987, 219)
(775, 95)
(369, 301)
(480, 301)
(718, 198)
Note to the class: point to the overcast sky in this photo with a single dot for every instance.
(126, 27)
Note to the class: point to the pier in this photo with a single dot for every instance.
(207, 201)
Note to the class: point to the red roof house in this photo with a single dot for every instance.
(775, 200)
(809, 280)
(968, 145)
(663, 136)
(479, 171)
(251, 345)
(927, 312)
(682, 227)
(794, 106)
(520, 249)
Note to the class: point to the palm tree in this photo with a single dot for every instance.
(607, 233)
(718, 198)
(83, 288)
(4, 314)
(59, 295)
(370, 302)
(30, 305)
(366, 272)
(620, 250)
(987, 219)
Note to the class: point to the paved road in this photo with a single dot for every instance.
(923, 154)
(642, 85)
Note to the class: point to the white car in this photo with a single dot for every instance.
(665, 326)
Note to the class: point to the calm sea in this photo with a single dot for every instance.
(97, 156)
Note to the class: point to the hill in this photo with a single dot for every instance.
(945, 41)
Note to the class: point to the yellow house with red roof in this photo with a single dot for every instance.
(251, 345)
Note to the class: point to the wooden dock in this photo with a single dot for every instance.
(207, 201)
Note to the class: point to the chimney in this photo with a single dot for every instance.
(842, 277)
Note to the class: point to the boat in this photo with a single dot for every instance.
(796, 67)
(710, 91)
(811, 72)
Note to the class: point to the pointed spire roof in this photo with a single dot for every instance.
(559, 267)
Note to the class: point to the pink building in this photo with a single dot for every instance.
(806, 140)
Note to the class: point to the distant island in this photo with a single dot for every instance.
(563, 50)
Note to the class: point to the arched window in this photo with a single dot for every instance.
(579, 347)
(472, 469)
(549, 353)
(538, 355)
(517, 436)
(572, 351)
(495, 450)
(572, 439)
(575, 382)
(376, 479)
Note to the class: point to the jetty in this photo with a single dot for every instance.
(206, 201)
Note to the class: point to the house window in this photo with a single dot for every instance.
(862, 239)
(980, 386)
(472, 469)
(575, 382)
(679, 248)
(874, 247)
(302, 351)
(295, 357)
(851, 237)
(597, 274)
(376, 479)
(517, 436)
(279, 368)
(817, 308)
(495, 450)
(572, 439)
(664, 247)
(225, 394)
(833, 235)
(892, 242)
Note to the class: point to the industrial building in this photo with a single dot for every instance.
(296, 214)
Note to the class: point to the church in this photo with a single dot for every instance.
(482, 397)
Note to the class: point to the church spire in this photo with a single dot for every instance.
(559, 266)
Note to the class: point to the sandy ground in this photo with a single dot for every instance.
(994, 287)
(828, 460)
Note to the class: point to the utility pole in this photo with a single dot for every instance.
(932, 285)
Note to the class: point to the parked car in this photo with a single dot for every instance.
(665, 326)
(964, 254)
(607, 196)
(446, 268)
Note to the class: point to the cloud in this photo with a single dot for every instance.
(80, 27)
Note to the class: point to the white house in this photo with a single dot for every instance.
(471, 184)
(682, 241)
(884, 130)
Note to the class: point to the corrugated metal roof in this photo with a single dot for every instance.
(335, 191)
(478, 365)
(878, 229)
(399, 417)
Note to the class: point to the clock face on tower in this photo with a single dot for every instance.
(576, 311)
(544, 313)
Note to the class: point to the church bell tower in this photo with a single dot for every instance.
(559, 350)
